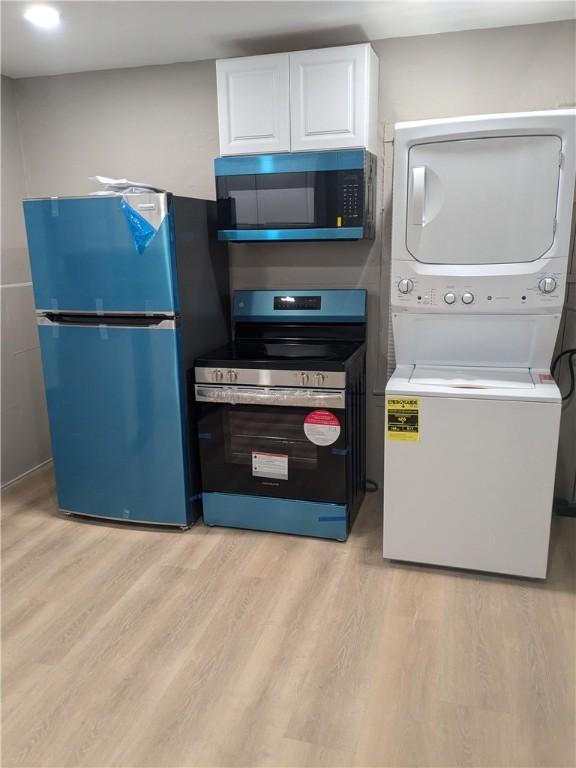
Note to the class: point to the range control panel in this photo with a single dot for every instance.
(297, 302)
(270, 378)
(486, 294)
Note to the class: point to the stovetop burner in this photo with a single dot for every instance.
(287, 354)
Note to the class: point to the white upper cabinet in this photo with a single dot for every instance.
(254, 104)
(291, 102)
(334, 98)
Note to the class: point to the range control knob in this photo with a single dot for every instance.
(304, 378)
(217, 375)
(547, 285)
(405, 286)
(467, 298)
(449, 298)
(319, 379)
(232, 376)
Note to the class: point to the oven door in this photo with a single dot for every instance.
(284, 443)
(308, 205)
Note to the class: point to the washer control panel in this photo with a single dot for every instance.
(547, 285)
(507, 293)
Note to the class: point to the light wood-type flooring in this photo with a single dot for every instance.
(137, 647)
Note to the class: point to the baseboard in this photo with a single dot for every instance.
(24, 474)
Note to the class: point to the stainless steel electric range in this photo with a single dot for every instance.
(281, 414)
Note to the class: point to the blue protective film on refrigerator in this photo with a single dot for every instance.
(142, 231)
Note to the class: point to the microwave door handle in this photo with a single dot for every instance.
(418, 195)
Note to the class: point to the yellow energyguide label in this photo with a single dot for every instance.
(403, 418)
(339, 221)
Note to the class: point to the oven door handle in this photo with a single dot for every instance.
(332, 398)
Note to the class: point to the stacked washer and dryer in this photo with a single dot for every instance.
(480, 243)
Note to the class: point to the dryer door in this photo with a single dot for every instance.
(482, 201)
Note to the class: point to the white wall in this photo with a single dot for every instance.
(25, 439)
(159, 124)
(156, 124)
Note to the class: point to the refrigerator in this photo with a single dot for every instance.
(129, 289)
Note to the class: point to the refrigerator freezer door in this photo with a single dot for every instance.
(117, 421)
(101, 254)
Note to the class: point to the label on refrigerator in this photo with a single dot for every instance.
(403, 418)
(274, 465)
(322, 427)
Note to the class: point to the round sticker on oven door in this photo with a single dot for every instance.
(321, 427)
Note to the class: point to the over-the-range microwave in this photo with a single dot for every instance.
(296, 196)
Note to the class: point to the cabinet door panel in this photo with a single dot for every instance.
(253, 104)
(328, 90)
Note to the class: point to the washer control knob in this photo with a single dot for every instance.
(547, 284)
(449, 298)
(319, 379)
(405, 286)
(304, 378)
(467, 298)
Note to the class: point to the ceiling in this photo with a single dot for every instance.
(108, 34)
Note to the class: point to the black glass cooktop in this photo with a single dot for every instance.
(281, 354)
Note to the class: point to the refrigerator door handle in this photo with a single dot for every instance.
(108, 321)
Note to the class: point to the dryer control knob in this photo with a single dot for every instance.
(449, 298)
(467, 298)
(405, 286)
(547, 284)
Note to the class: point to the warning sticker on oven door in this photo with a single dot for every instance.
(322, 427)
(403, 418)
(273, 465)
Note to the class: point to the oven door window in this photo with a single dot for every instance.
(264, 450)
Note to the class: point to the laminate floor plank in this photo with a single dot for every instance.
(130, 646)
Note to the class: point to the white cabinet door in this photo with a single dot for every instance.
(333, 98)
(482, 201)
(254, 104)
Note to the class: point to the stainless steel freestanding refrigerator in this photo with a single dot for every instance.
(129, 289)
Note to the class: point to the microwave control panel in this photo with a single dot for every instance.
(351, 202)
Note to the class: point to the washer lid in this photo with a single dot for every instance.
(456, 377)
